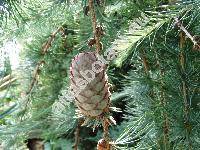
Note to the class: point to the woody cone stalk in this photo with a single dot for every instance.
(89, 84)
(103, 145)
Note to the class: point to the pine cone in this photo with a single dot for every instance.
(89, 84)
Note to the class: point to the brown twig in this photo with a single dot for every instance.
(166, 126)
(44, 51)
(145, 62)
(94, 26)
(77, 135)
(105, 130)
(103, 144)
(185, 89)
(6, 78)
(192, 38)
(35, 75)
(48, 43)
(162, 94)
(7, 83)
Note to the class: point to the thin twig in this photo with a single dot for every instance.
(162, 94)
(103, 144)
(145, 62)
(7, 83)
(105, 130)
(97, 34)
(77, 135)
(163, 103)
(48, 43)
(35, 75)
(44, 51)
(94, 26)
(180, 25)
(185, 90)
(33, 82)
(6, 78)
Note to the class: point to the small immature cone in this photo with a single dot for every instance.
(89, 84)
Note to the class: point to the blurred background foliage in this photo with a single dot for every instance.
(155, 78)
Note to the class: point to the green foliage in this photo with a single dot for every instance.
(7, 66)
(156, 104)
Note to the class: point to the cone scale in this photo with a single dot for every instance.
(89, 84)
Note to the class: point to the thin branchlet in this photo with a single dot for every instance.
(94, 26)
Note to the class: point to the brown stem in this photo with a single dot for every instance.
(182, 42)
(48, 43)
(184, 88)
(44, 50)
(94, 26)
(180, 25)
(7, 83)
(103, 144)
(105, 130)
(145, 62)
(6, 78)
(35, 75)
(182, 63)
(163, 103)
(162, 94)
(33, 82)
(77, 135)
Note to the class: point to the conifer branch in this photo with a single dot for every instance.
(48, 43)
(105, 130)
(94, 26)
(77, 135)
(6, 78)
(163, 103)
(35, 75)
(7, 83)
(97, 31)
(185, 91)
(183, 29)
(104, 143)
(162, 94)
(44, 51)
(145, 62)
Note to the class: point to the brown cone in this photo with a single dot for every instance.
(89, 83)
